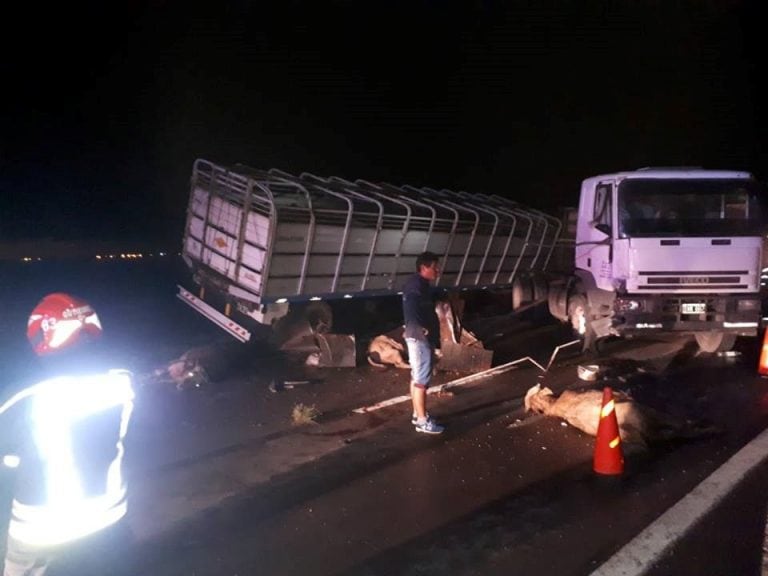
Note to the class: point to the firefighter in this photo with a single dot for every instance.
(67, 450)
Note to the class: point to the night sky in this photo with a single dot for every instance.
(105, 107)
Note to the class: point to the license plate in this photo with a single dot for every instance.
(694, 308)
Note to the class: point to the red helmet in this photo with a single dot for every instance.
(60, 321)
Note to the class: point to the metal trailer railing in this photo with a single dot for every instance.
(269, 236)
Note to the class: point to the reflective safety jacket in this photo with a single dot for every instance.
(70, 457)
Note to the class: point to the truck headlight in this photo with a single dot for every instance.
(628, 305)
(11, 461)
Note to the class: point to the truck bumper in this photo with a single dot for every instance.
(736, 314)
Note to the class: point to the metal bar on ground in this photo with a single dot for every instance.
(454, 383)
(557, 349)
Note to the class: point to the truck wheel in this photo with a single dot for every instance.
(715, 341)
(577, 314)
(578, 318)
(320, 316)
(557, 301)
(540, 289)
(522, 292)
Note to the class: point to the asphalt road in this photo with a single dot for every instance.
(222, 484)
(498, 493)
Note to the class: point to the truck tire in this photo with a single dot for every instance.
(579, 317)
(715, 341)
(578, 314)
(522, 292)
(540, 289)
(557, 300)
(320, 316)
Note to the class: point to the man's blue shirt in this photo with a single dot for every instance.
(419, 311)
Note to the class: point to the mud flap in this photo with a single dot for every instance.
(336, 350)
(330, 350)
(296, 336)
(460, 358)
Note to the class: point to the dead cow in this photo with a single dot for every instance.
(199, 366)
(386, 351)
(638, 424)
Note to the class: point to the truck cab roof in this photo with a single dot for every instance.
(683, 172)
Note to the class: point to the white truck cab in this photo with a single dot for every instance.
(668, 249)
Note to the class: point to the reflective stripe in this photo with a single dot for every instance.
(52, 525)
(607, 409)
(739, 324)
(57, 406)
(63, 332)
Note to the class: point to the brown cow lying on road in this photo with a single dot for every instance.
(637, 423)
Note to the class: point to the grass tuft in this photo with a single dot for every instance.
(303, 414)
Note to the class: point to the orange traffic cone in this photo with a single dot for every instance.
(609, 458)
(762, 367)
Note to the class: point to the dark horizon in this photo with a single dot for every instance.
(102, 121)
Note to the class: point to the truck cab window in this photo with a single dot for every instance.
(602, 215)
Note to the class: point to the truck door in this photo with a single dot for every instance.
(593, 248)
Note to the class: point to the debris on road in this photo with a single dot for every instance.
(461, 350)
(589, 372)
(304, 414)
(280, 385)
(200, 366)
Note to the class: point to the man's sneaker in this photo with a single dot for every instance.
(415, 419)
(429, 427)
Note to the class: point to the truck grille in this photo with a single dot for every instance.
(698, 280)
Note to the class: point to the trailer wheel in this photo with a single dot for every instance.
(320, 317)
(557, 300)
(522, 292)
(715, 341)
(540, 288)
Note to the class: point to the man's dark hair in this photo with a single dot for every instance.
(426, 259)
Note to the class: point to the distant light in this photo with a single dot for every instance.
(162, 253)
(347, 295)
(281, 300)
(11, 460)
(315, 298)
(98, 256)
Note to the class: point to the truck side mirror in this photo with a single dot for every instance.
(604, 228)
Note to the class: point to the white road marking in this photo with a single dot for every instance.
(648, 547)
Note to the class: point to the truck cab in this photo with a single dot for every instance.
(668, 249)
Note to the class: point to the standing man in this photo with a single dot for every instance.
(66, 447)
(422, 336)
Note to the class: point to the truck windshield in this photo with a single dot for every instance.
(649, 207)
